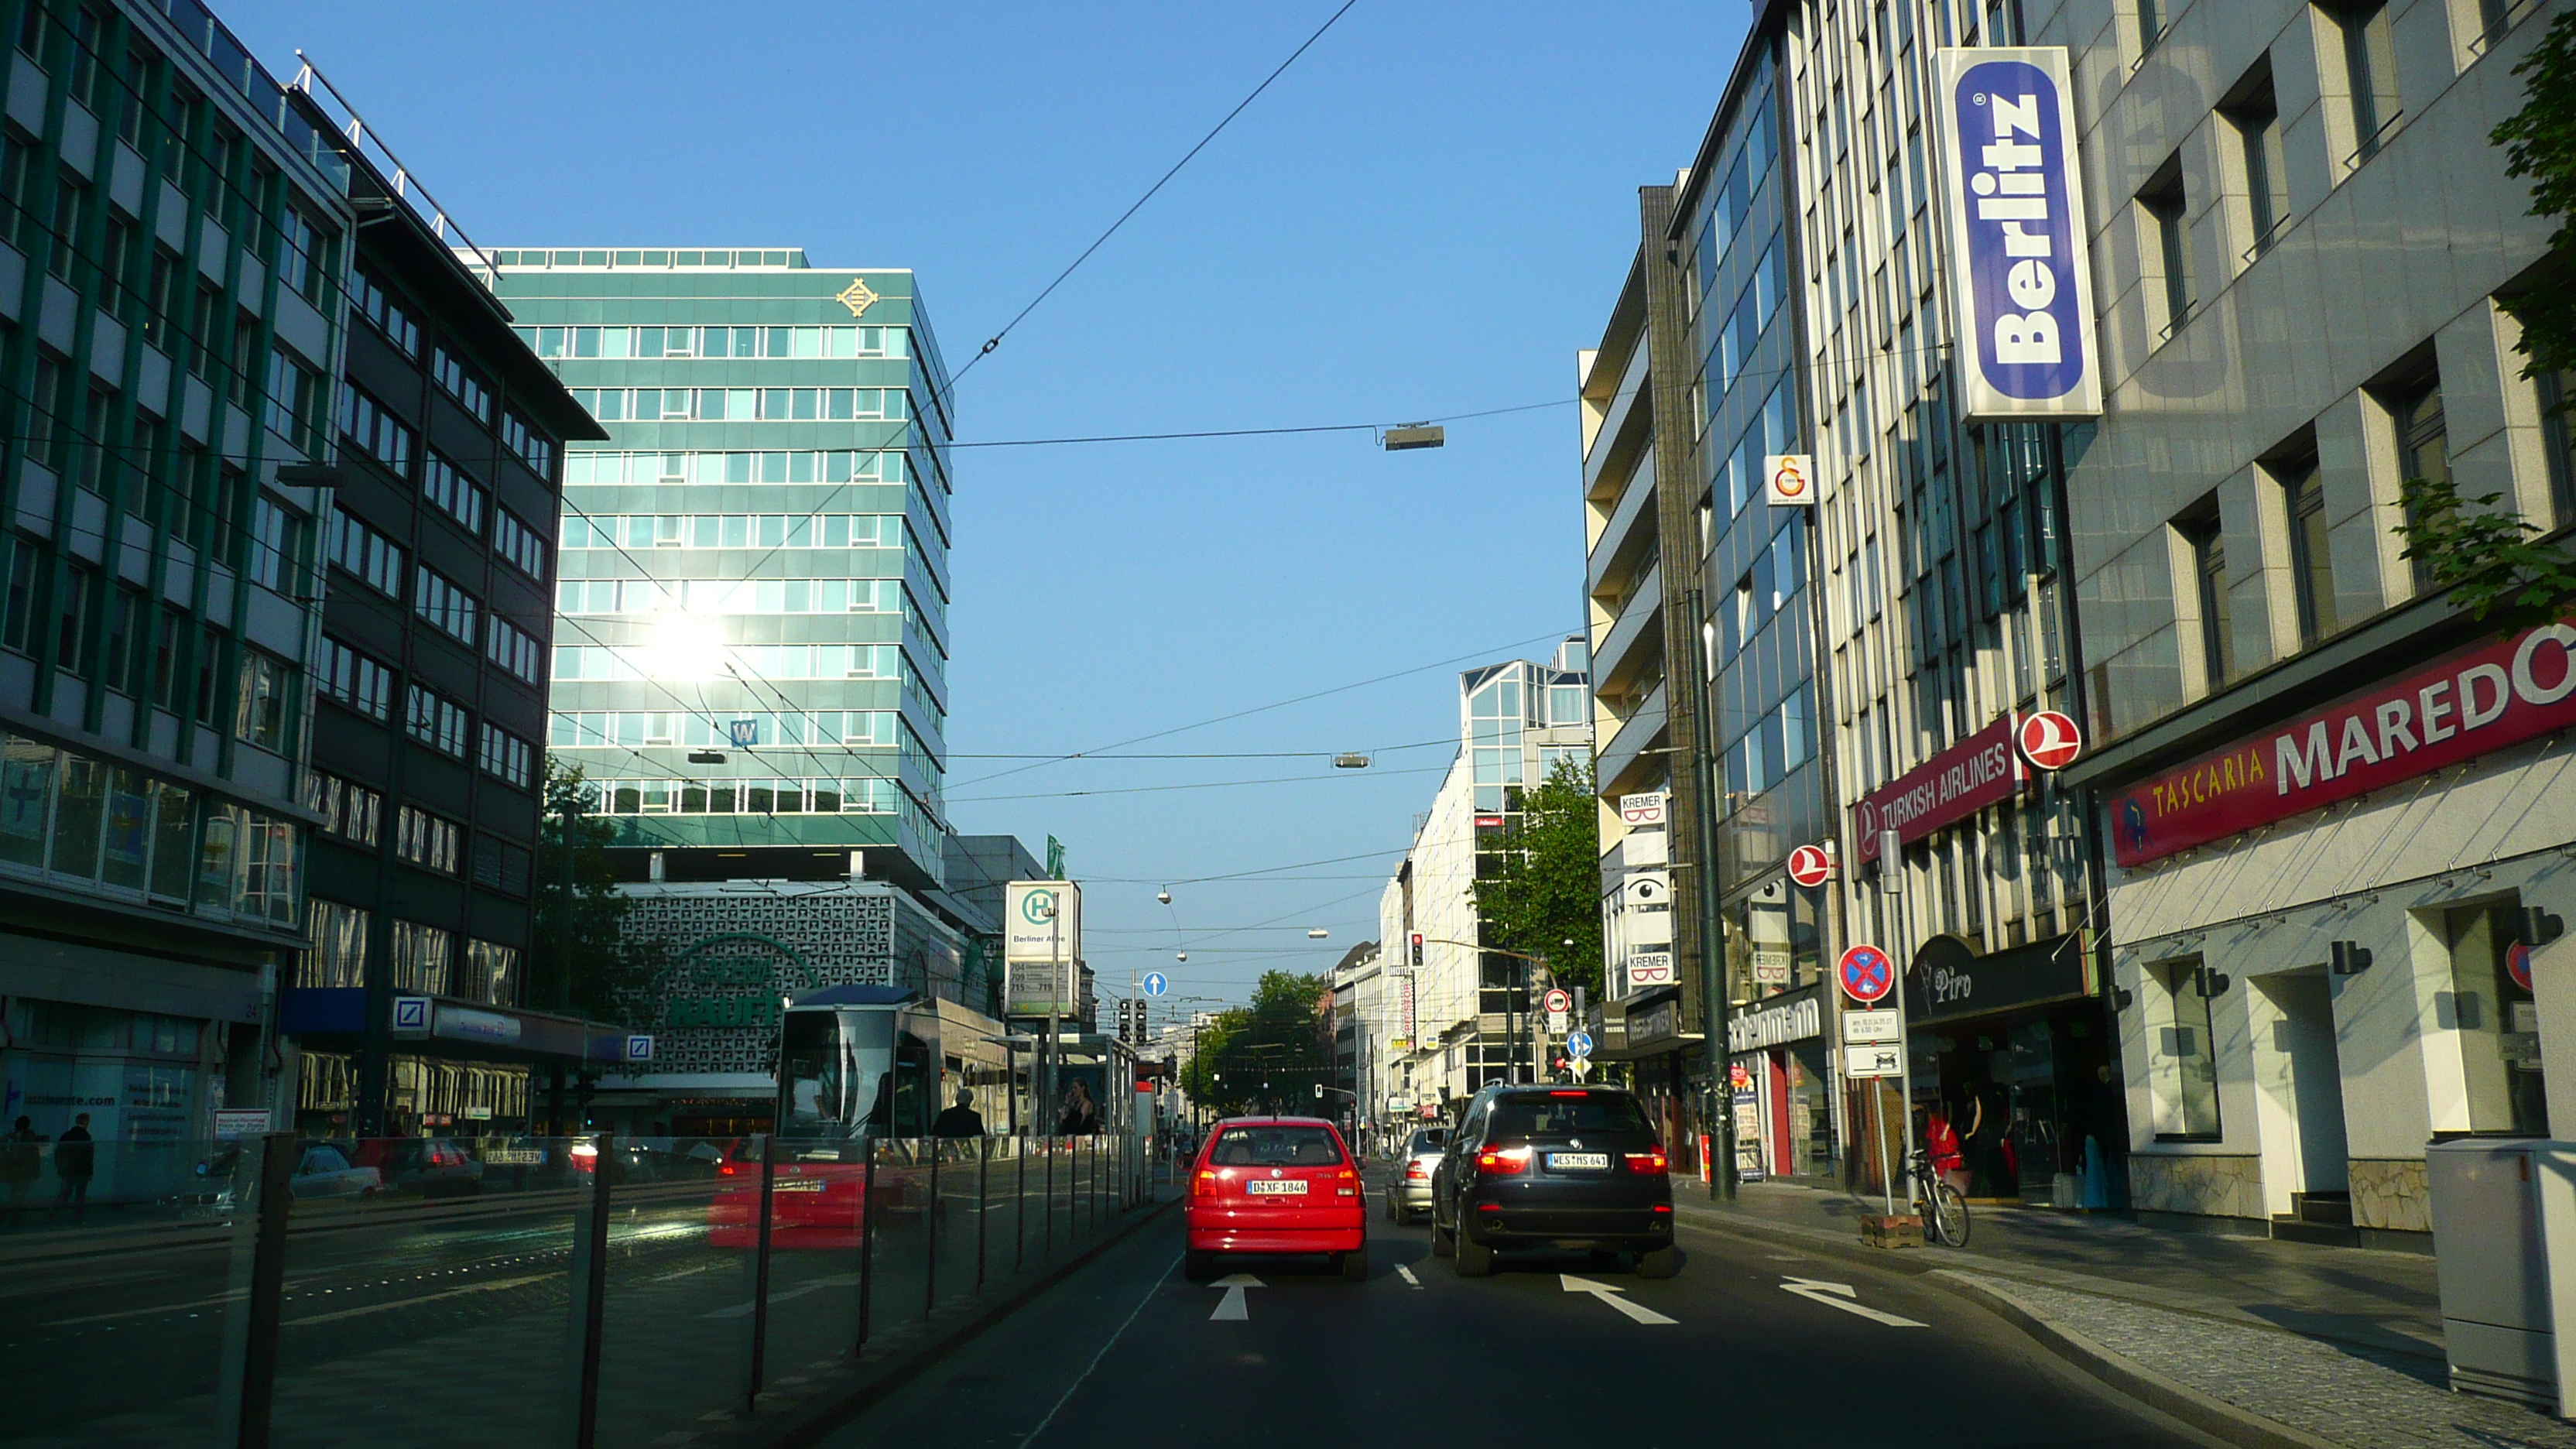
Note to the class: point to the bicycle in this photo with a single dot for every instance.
(1944, 1211)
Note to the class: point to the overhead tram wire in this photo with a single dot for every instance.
(1200, 785)
(995, 340)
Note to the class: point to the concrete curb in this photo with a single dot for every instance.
(2212, 1416)
(2215, 1417)
(805, 1422)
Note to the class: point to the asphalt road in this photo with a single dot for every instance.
(1126, 1350)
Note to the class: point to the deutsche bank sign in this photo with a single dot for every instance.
(2016, 209)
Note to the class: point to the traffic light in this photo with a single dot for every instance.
(1417, 948)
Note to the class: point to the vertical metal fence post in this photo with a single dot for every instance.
(249, 1392)
(867, 1237)
(983, 1207)
(1049, 1247)
(932, 1212)
(1020, 1202)
(590, 1291)
(767, 1148)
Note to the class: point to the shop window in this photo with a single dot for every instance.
(2497, 1021)
(2182, 1061)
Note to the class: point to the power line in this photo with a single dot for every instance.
(996, 339)
(1251, 432)
(1236, 755)
(1200, 785)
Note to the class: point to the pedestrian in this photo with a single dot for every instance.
(1941, 1144)
(75, 1161)
(1081, 1114)
(961, 1120)
(22, 1161)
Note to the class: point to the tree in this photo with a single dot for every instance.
(1549, 889)
(2479, 548)
(608, 976)
(1268, 1056)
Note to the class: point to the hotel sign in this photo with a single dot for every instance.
(2475, 701)
(1979, 771)
(2017, 236)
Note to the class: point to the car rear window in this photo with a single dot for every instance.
(1534, 1115)
(1425, 1142)
(1275, 1147)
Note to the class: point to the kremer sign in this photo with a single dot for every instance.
(2017, 235)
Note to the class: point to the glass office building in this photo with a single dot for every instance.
(751, 646)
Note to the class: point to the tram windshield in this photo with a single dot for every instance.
(849, 1073)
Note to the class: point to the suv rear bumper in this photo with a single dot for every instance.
(1620, 1229)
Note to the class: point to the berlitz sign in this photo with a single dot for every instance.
(2478, 700)
(1951, 786)
(2016, 212)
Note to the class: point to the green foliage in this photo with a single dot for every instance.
(1549, 891)
(1266, 1057)
(2483, 552)
(2540, 146)
(608, 975)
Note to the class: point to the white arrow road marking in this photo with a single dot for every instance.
(1607, 1294)
(1816, 1290)
(1406, 1273)
(1233, 1307)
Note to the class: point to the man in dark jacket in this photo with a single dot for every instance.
(961, 1120)
(22, 1161)
(75, 1162)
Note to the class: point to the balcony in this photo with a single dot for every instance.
(1624, 761)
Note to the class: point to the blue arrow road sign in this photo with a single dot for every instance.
(1156, 983)
(1579, 1044)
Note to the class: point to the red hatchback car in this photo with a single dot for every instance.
(1275, 1185)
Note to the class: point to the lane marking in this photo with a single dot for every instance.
(1406, 1273)
(1816, 1290)
(1234, 1307)
(1609, 1293)
(1155, 1287)
(414, 1302)
(743, 1310)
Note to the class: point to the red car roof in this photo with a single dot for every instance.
(1290, 1121)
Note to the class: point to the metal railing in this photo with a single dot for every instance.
(591, 1291)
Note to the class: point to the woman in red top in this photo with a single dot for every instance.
(1941, 1143)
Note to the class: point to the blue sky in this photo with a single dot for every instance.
(1427, 215)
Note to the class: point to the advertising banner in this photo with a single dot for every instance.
(2017, 236)
(1945, 789)
(2480, 699)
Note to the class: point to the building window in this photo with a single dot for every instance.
(354, 679)
(518, 545)
(366, 553)
(277, 547)
(266, 706)
(2257, 120)
(441, 602)
(2209, 571)
(421, 959)
(2423, 451)
(426, 840)
(462, 383)
(375, 302)
(491, 973)
(456, 495)
(303, 255)
(372, 426)
(435, 720)
(2162, 198)
(2557, 399)
(506, 756)
(513, 650)
(295, 402)
(2182, 1061)
(2151, 24)
(2370, 73)
(338, 955)
(534, 448)
(2498, 1022)
(348, 810)
(2303, 499)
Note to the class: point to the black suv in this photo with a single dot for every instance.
(1553, 1167)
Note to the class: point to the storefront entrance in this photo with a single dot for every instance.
(2011, 1048)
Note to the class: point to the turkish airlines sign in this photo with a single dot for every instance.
(2016, 213)
(1951, 786)
(2479, 700)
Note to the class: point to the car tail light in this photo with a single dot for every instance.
(1503, 1161)
(726, 1170)
(1569, 1094)
(1204, 1185)
(1651, 1161)
(1413, 1172)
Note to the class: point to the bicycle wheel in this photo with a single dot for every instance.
(1950, 1215)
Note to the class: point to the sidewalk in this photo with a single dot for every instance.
(2280, 1343)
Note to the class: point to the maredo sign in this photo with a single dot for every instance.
(2479, 700)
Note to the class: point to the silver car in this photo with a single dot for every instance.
(1408, 1184)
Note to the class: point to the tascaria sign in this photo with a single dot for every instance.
(2016, 208)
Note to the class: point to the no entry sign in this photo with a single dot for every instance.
(2049, 740)
(1866, 973)
(1810, 865)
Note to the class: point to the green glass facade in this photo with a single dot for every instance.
(755, 564)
